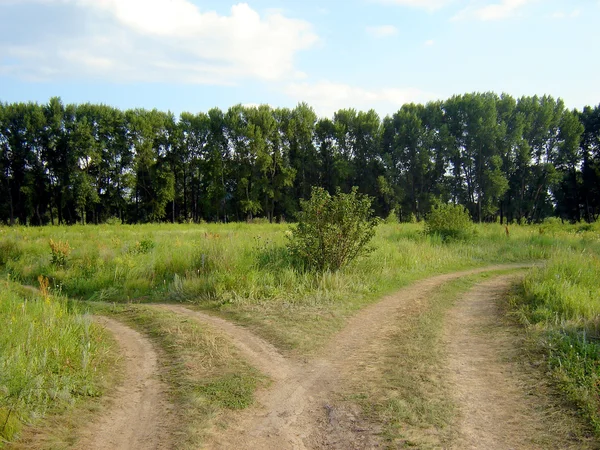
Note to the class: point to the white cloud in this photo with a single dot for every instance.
(430, 5)
(160, 40)
(328, 97)
(504, 9)
(429, 43)
(382, 31)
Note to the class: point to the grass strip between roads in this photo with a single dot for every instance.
(206, 376)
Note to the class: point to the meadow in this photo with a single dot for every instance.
(243, 272)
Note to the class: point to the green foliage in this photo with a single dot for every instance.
(522, 159)
(9, 250)
(449, 221)
(332, 230)
(50, 355)
(142, 247)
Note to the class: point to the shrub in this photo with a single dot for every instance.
(392, 217)
(449, 221)
(332, 230)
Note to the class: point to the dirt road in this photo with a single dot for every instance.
(299, 409)
(496, 394)
(138, 416)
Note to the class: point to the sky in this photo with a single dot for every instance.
(192, 55)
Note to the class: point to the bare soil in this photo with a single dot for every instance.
(138, 415)
(498, 395)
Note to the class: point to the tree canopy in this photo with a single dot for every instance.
(501, 158)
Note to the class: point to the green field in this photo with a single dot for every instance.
(242, 272)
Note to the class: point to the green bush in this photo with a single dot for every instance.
(449, 221)
(332, 230)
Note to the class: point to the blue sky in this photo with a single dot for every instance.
(191, 55)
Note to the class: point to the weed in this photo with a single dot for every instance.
(60, 252)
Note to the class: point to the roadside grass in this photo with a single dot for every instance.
(560, 305)
(53, 362)
(206, 376)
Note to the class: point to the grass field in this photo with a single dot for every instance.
(242, 272)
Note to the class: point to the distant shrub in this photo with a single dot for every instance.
(392, 217)
(113, 221)
(552, 221)
(142, 247)
(332, 230)
(449, 221)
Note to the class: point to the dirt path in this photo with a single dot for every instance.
(299, 409)
(495, 394)
(138, 415)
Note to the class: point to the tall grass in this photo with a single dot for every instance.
(234, 261)
(561, 303)
(50, 355)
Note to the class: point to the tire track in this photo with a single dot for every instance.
(138, 416)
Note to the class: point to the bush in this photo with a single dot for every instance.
(449, 221)
(332, 230)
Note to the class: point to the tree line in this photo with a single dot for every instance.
(502, 158)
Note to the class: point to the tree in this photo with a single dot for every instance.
(590, 155)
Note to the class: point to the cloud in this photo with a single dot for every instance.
(429, 5)
(505, 9)
(382, 31)
(429, 43)
(328, 97)
(155, 40)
